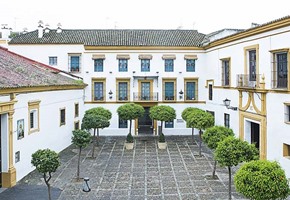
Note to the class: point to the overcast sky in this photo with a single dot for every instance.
(203, 15)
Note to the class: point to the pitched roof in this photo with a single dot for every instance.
(17, 71)
(115, 37)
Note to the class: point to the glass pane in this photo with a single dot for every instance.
(123, 65)
(75, 63)
(169, 91)
(123, 88)
(190, 90)
(252, 65)
(169, 65)
(145, 65)
(99, 91)
(145, 91)
(98, 65)
(190, 65)
(282, 72)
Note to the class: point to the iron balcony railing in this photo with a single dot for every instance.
(248, 80)
(138, 96)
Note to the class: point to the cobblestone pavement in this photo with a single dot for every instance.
(142, 173)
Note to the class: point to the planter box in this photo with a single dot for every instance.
(129, 145)
(162, 145)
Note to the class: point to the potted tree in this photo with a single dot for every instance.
(46, 162)
(162, 113)
(130, 111)
(212, 136)
(96, 118)
(81, 139)
(200, 120)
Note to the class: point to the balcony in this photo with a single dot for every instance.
(249, 81)
(138, 96)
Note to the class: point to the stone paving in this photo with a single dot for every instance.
(142, 173)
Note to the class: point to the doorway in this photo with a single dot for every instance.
(145, 123)
(255, 134)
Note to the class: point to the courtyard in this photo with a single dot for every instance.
(142, 173)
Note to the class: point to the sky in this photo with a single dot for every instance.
(206, 16)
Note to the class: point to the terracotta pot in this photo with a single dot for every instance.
(162, 145)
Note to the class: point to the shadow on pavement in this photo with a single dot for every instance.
(29, 192)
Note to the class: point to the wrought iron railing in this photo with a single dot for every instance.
(248, 81)
(138, 96)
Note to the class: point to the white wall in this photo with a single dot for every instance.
(51, 134)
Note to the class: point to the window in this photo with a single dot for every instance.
(33, 118)
(98, 63)
(287, 113)
(52, 60)
(123, 65)
(77, 125)
(212, 113)
(210, 92)
(190, 65)
(76, 109)
(145, 65)
(98, 93)
(169, 89)
(190, 89)
(123, 123)
(225, 72)
(227, 120)
(252, 65)
(168, 65)
(286, 150)
(74, 63)
(169, 124)
(62, 116)
(123, 91)
(280, 70)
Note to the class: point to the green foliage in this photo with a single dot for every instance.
(162, 113)
(45, 160)
(129, 138)
(262, 180)
(187, 111)
(100, 111)
(94, 121)
(213, 135)
(232, 151)
(130, 111)
(200, 119)
(161, 137)
(81, 138)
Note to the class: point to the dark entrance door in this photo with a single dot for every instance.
(145, 123)
(255, 134)
(0, 154)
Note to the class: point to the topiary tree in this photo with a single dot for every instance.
(130, 111)
(162, 113)
(200, 120)
(262, 180)
(46, 162)
(232, 151)
(95, 119)
(212, 136)
(185, 113)
(81, 139)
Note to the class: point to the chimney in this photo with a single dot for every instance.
(254, 25)
(5, 31)
(59, 30)
(40, 29)
(46, 30)
(24, 30)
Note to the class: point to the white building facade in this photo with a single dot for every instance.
(182, 69)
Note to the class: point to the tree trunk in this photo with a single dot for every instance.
(214, 169)
(46, 180)
(79, 159)
(94, 143)
(230, 183)
(200, 132)
(161, 127)
(130, 126)
(98, 137)
(192, 135)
